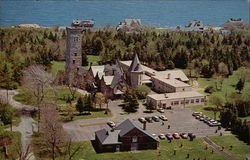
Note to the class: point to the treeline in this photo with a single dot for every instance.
(204, 53)
(207, 53)
(230, 119)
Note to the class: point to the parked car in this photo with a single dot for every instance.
(197, 117)
(156, 118)
(169, 136)
(155, 136)
(184, 135)
(142, 120)
(162, 136)
(162, 117)
(176, 135)
(160, 110)
(149, 119)
(201, 119)
(191, 135)
(111, 124)
(196, 113)
(169, 107)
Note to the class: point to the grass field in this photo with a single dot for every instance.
(26, 97)
(12, 148)
(239, 150)
(60, 65)
(92, 115)
(195, 148)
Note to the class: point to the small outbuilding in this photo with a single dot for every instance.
(125, 137)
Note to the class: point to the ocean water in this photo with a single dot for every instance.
(159, 13)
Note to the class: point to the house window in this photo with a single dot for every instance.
(134, 139)
(202, 100)
(75, 39)
(182, 102)
(192, 101)
(187, 101)
(172, 103)
(75, 54)
(183, 89)
(197, 100)
(74, 61)
(176, 102)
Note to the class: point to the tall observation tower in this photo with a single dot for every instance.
(73, 53)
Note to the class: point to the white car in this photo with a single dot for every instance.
(162, 117)
(160, 110)
(155, 136)
(162, 136)
(111, 124)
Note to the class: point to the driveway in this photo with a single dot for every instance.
(179, 119)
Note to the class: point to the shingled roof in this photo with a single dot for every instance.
(134, 64)
(127, 125)
(112, 137)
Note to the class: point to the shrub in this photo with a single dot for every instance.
(210, 89)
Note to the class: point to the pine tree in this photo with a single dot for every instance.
(79, 105)
(240, 85)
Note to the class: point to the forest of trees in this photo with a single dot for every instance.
(206, 53)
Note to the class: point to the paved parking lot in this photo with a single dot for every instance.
(180, 120)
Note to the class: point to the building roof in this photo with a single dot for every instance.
(96, 69)
(134, 64)
(144, 68)
(127, 125)
(108, 137)
(130, 21)
(177, 74)
(172, 82)
(112, 137)
(108, 79)
(115, 80)
(176, 95)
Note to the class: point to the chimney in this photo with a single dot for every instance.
(144, 125)
(168, 75)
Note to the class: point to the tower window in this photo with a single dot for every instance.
(75, 54)
(75, 39)
(74, 61)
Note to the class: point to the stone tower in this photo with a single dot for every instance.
(73, 49)
(135, 72)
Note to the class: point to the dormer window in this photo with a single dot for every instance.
(75, 54)
(74, 61)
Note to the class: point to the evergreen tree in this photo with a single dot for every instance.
(80, 105)
(85, 60)
(239, 85)
(130, 100)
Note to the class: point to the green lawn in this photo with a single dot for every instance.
(26, 97)
(240, 149)
(12, 148)
(57, 66)
(196, 149)
(92, 115)
(245, 118)
(205, 112)
(60, 65)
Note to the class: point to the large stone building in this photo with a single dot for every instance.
(112, 80)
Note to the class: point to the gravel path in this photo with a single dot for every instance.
(218, 148)
(27, 124)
